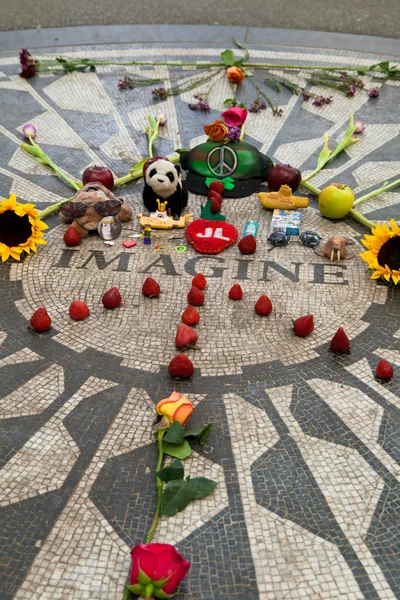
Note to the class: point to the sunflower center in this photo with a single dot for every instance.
(14, 230)
(389, 254)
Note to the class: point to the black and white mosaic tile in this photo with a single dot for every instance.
(305, 446)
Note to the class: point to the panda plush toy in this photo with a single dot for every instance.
(162, 180)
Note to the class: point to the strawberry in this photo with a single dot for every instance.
(190, 316)
(217, 186)
(215, 206)
(210, 234)
(185, 336)
(40, 320)
(72, 237)
(303, 326)
(112, 298)
(340, 343)
(236, 292)
(151, 288)
(384, 370)
(181, 366)
(78, 310)
(248, 244)
(199, 281)
(195, 297)
(215, 195)
(263, 306)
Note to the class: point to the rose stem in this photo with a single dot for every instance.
(310, 188)
(153, 137)
(156, 518)
(50, 209)
(361, 70)
(361, 219)
(377, 192)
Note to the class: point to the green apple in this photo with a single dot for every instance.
(335, 201)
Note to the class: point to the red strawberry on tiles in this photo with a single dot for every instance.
(236, 292)
(185, 336)
(72, 237)
(195, 297)
(199, 281)
(248, 244)
(112, 298)
(151, 288)
(384, 370)
(340, 343)
(263, 306)
(40, 320)
(190, 316)
(78, 311)
(181, 366)
(303, 326)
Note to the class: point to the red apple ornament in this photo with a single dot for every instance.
(283, 175)
(101, 174)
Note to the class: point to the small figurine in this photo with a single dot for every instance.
(147, 235)
(283, 199)
(336, 243)
(161, 220)
(91, 204)
(162, 179)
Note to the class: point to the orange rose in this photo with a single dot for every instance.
(217, 131)
(235, 74)
(175, 408)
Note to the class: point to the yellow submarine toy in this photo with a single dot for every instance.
(161, 220)
(283, 199)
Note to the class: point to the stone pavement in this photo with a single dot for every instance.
(305, 446)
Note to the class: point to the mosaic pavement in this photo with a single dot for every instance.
(305, 446)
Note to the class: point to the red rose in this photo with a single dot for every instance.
(156, 562)
(235, 116)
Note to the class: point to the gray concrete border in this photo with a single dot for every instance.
(202, 34)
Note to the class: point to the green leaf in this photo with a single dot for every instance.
(201, 486)
(175, 434)
(229, 102)
(143, 578)
(178, 494)
(136, 589)
(152, 123)
(227, 57)
(159, 584)
(205, 213)
(174, 471)
(161, 594)
(181, 452)
(202, 433)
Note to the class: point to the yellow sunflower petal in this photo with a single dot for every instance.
(41, 225)
(38, 240)
(395, 227)
(376, 275)
(10, 203)
(15, 252)
(20, 210)
(396, 278)
(368, 257)
(25, 248)
(32, 245)
(5, 253)
(30, 209)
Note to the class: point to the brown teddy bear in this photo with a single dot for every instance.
(91, 204)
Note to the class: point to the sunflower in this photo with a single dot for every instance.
(383, 252)
(20, 228)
